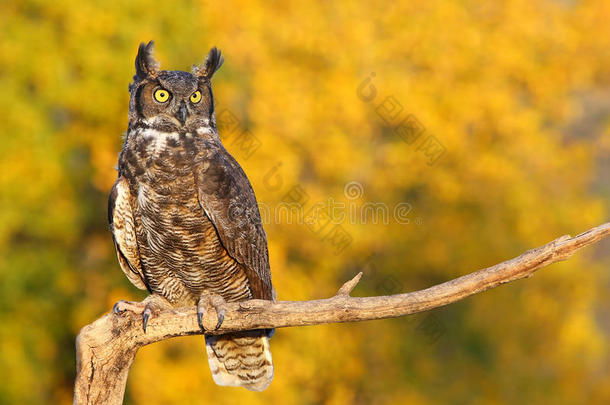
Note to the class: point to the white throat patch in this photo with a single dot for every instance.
(158, 140)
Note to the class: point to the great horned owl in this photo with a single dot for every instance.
(183, 215)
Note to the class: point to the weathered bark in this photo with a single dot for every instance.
(106, 348)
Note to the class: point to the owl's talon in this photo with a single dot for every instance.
(145, 317)
(151, 305)
(200, 320)
(207, 301)
(116, 308)
(221, 317)
(122, 306)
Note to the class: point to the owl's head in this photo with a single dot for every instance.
(171, 100)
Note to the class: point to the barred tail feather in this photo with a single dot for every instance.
(241, 359)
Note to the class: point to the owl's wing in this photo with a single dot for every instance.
(227, 198)
(122, 226)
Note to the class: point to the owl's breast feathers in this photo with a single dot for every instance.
(185, 219)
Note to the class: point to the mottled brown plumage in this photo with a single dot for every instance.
(183, 214)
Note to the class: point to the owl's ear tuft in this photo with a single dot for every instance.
(212, 63)
(146, 64)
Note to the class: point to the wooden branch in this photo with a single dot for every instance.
(106, 348)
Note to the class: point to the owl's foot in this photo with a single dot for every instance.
(150, 306)
(208, 301)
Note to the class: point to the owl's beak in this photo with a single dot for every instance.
(182, 113)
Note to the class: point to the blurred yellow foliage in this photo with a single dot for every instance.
(507, 147)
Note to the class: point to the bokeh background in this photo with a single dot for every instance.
(487, 122)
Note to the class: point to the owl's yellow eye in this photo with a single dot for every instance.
(196, 97)
(161, 95)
